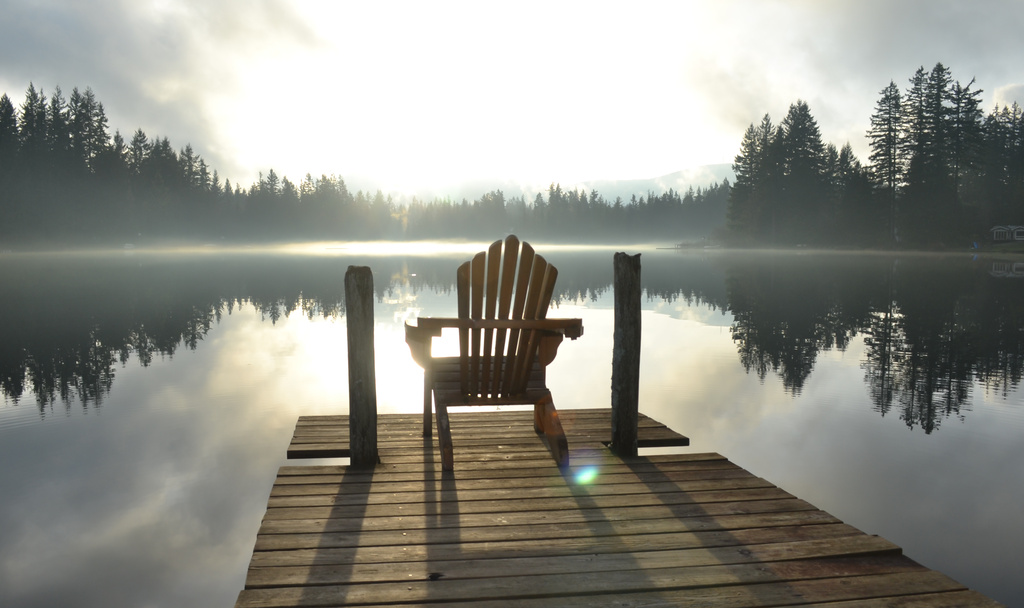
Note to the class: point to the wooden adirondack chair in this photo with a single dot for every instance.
(505, 343)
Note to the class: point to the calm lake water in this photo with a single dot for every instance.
(148, 398)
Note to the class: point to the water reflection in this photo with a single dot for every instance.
(154, 495)
(932, 326)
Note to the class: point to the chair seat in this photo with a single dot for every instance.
(447, 386)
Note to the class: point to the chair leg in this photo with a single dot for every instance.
(545, 420)
(428, 384)
(444, 437)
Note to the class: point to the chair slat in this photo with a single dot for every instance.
(476, 297)
(519, 303)
(545, 288)
(524, 358)
(462, 286)
(508, 278)
(490, 304)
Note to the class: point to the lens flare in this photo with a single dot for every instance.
(586, 475)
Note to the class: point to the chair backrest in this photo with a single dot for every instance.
(507, 284)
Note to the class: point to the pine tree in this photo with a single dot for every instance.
(88, 127)
(8, 136)
(929, 201)
(32, 131)
(887, 157)
(966, 133)
(803, 182)
(189, 164)
(753, 199)
(138, 150)
(58, 135)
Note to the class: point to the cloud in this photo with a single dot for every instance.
(424, 94)
(155, 65)
(838, 56)
(1010, 94)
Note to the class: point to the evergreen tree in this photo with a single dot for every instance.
(753, 202)
(32, 131)
(965, 138)
(58, 134)
(803, 184)
(189, 162)
(1002, 167)
(8, 138)
(928, 206)
(887, 158)
(138, 151)
(88, 127)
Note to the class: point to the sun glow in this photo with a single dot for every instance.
(452, 93)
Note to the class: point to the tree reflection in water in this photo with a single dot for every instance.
(932, 326)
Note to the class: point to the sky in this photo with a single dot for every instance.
(413, 95)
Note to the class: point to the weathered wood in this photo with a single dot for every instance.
(742, 480)
(508, 528)
(519, 475)
(589, 583)
(566, 564)
(745, 539)
(362, 384)
(626, 355)
(665, 481)
(554, 534)
(499, 504)
(328, 436)
(773, 500)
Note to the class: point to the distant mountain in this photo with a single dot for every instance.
(698, 177)
(680, 181)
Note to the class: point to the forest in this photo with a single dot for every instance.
(64, 178)
(940, 173)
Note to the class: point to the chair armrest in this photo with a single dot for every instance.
(419, 338)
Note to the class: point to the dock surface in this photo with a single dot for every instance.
(508, 528)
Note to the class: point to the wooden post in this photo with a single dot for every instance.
(362, 385)
(626, 355)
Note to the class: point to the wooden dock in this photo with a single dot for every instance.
(508, 528)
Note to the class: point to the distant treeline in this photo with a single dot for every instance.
(940, 174)
(64, 177)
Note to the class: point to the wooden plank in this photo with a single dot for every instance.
(514, 494)
(582, 583)
(644, 481)
(538, 548)
(772, 514)
(327, 436)
(561, 564)
(389, 509)
(599, 458)
(426, 520)
(603, 473)
(952, 599)
(790, 593)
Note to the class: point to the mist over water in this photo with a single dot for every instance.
(149, 396)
